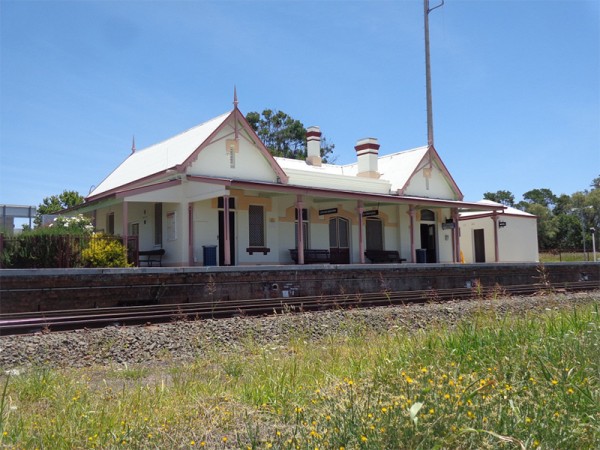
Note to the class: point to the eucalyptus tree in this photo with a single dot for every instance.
(284, 136)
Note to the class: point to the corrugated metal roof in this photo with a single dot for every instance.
(159, 157)
(509, 210)
(395, 168)
(398, 167)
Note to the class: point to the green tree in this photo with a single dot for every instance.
(546, 226)
(563, 205)
(568, 232)
(543, 197)
(56, 203)
(504, 197)
(283, 135)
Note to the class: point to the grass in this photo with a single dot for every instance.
(492, 381)
(565, 257)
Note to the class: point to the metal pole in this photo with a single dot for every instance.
(427, 10)
(585, 255)
(428, 77)
(593, 230)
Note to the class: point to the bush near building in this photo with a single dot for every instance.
(67, 242)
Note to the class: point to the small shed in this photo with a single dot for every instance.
(505, 235)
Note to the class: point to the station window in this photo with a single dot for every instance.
(134, 229)
(158, 229)
(427, 215)
(339, 232)
(110, 223)
(374, 231)
(221, 202)
(256, 226)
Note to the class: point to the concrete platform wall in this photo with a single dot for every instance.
(55, 289)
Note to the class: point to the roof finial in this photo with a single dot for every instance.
(235, 100)
(133, 145)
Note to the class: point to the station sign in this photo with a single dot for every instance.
(373, 212)
(324, 212)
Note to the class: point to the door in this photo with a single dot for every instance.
(339, 240)
(231, 237)
(231, 207)
(479, 243)
(428, 241)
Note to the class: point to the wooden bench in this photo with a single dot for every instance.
(312, 255)
(151, 256)
(384, 256)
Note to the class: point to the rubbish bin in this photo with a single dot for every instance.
(209, 255)
(421, 255)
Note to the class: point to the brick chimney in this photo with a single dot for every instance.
(313, 146)
(367, 152)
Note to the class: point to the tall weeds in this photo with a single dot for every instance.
(492, 381)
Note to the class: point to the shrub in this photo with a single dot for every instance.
(105, 251)
(41, 249)
(57, 245)
(80, 224)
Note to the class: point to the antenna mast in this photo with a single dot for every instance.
(428, 73)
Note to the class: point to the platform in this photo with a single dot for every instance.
(53, 289)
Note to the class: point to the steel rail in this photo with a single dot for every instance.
(60, 320)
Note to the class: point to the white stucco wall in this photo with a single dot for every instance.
(249, 162)
(517, 241)
(435, 186)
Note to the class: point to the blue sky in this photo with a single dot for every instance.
(516, 83)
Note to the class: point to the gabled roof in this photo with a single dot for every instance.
(155, 165)
(396, 168)
(400, 167)
(175, 154)
(159, 158)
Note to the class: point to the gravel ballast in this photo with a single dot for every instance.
(188, 340)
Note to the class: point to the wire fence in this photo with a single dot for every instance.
(568, 255)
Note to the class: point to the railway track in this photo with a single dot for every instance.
(61, 320)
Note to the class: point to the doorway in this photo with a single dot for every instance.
(222, 231)
(479, 244)
(428, 241)
(339, 241)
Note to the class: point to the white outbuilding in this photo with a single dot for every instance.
(508, 235)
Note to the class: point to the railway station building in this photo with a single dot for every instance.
(214, 195)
